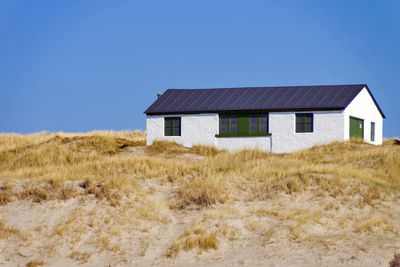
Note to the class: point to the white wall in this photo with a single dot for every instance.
(363, 107)
(237, 143)
(202, 128)
(195, 129)
(328, 127)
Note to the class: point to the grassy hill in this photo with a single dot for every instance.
(104, 197)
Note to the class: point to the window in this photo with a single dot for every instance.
(372, 131)
(304, 123)
(172, 126)
(243, 125)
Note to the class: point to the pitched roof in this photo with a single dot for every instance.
(322, 97)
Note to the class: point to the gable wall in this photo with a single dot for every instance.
(363, 107)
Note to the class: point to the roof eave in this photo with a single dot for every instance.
(244, 111)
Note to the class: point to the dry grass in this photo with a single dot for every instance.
(7, 232)
(202, 191)
(82, 257)
(166, 147)
(194, 237)
(100, 166)
(5, 194)
(35, 263)
(375, 223)
(98, 158)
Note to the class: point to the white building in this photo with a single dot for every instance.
(274, 119)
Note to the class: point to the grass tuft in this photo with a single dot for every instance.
(82, 257)
(35, 263)
(202, 191)
(166, 147)
(194, 237)
(208, 151)
(10, 232)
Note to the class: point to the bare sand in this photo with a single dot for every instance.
(289, 230)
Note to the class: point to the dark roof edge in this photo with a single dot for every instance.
(285, 86)
(376, 103)
(243, 111)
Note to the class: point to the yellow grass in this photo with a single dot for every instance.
(194, 237)
(106, 166)
(9, 232)
(83, 257)
(102, 159)
(375, 223)
(35, 263)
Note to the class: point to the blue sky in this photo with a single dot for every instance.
(84, 65)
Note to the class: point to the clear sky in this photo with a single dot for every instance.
(84, 65)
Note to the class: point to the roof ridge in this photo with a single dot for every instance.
(259, 87)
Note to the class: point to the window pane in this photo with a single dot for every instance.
(234, 125)
(253, 124)
(177, 126)
(168, 126)
(263, 124)
(308, 118)
(177, 122)
(223, 124)
(299, 127)
(308, 127)
(299, 118)
(177, 130)
(168, 131)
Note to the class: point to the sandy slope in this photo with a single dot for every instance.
(259, 233)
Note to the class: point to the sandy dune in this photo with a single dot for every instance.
(259, 233)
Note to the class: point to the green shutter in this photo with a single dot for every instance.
(243, 124)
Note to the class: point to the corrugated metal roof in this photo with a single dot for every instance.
(321, 97)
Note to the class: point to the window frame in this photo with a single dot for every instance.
(172, 119)
(304, 123)
(242, 129)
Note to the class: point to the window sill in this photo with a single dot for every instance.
(242, 135)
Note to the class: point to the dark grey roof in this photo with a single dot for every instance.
(322, 97)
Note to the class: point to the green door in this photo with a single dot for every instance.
(356, 128)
